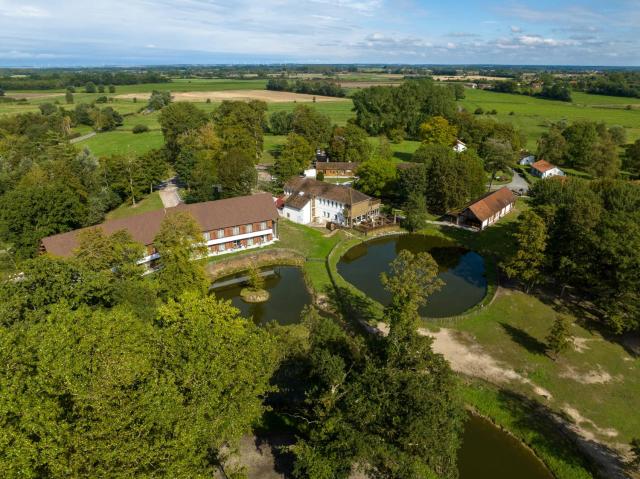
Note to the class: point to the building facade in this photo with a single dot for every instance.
(227, 225)
(337, 169)
(311, 201)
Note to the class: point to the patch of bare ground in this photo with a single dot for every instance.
(596, 376)
(241, 95)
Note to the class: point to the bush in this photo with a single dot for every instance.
(140, 129)
(101, 99)
(478, 111)
(320, 176)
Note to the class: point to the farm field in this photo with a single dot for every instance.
(241, 95)
(533, 115)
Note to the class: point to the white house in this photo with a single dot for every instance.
(544, 169)
(459, 147)
(527, 160)
(311, 201)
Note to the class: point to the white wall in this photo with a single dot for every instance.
(302, 216)
(329, 210)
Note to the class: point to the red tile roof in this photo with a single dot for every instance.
(211, 215)
(339, 193)
(490, 204)
(542, 166)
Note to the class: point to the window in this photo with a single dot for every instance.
(263, 225)
(207, 236)
(221, 233)
(221, 247)
(250, 242)
(237, 244)
(248, 228)
(236, 230)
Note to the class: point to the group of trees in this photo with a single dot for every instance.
(48, 186)
(586, 235)
(109, 373)
(398, 112)
(106, 372)
(310, 87)
(584, 145)
(549, 87)
(622, 83)
(214, 155)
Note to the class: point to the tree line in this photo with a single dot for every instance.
(309, 87)
(624, 84)
(584, 235)
(56, 79)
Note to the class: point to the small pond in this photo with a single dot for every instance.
(490, 453)
(288, 296)
(462, 271)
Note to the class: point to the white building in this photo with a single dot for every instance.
(527, 160)
(544, 169)
(459, 147)
(311, 201)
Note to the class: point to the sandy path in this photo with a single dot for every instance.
(243, 95)
(32, 96)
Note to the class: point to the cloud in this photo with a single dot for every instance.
(22, 11)
(515, 29)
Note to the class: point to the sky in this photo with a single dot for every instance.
(154, 32)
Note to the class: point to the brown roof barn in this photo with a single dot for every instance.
(211, 215)
(486, 210)
(542, 166)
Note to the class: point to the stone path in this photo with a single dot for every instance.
(169, 195)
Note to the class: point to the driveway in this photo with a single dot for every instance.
(169, 195)
(518, 183)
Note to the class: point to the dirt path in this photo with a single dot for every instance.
(243, 95)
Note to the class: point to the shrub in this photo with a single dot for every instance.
(320, 176)
(101, 99)
(478, 111)
(140, 129)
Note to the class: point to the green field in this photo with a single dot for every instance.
(533, 115)
(151, 202)
(121, 142)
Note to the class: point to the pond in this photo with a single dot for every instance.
(288, 296)
(490, 453)
(462, 271)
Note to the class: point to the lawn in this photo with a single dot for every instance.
(151, 202)
(123, 142)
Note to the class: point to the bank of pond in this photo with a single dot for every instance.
(487, 451)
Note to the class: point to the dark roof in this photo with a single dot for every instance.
(297, 201)
(336, 165)
(211, 215)
(542, 166)
(339, 193)
(491, 203)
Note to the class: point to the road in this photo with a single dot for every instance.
(169, 194)
(518, 183)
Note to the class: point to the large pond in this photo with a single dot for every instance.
(288, 296)
(462, 271)
(490, 453)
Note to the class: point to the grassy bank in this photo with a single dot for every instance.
(526, 423)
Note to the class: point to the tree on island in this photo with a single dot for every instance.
(528, 260)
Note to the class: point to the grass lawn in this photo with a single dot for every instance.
(151, 202)
(122, 142)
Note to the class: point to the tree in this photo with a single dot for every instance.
(116, 252)
(458, 91)
(635, 450)
(240, 125)
(158, 100)
(632, 158)
(376, 177)
(498, 156)
(127, 176)
(90, 87)
(280, 122)
(177, 119)
(112, 88)
(178, 242)
(559, 337)
(312, 125)
(415, 210)
(200, 152)
(618, 135)
(29, 213)
(296, 155)
(531, 242)
(438, 131)
(68, 97)
(236, 174)
(256, 280)
(349, 143)
(412, 180)
(553, 147)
